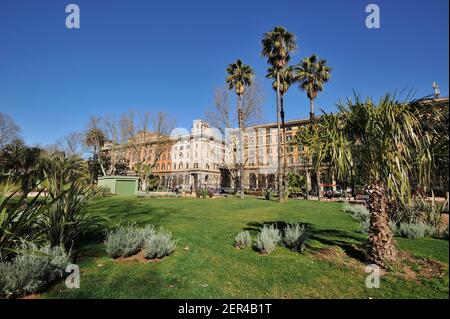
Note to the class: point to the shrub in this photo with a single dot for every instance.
(159, 245)
(365, 226)
(32, 269)
(362, 215)
(393, 227)
(202, 193)
(243, 240)
(127, 240)
(416, 230)
(102, 191)
(157, 194)
(295, 237)
(419, 211)
(358, 212)
(268, 193)
(267, 239)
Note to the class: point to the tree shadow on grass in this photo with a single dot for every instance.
(353, 246)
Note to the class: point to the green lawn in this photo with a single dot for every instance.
(213, 268)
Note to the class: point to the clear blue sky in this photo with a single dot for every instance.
(170, 55)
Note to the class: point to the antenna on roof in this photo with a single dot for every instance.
(437, 92)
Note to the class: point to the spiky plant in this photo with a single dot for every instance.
(387, 141)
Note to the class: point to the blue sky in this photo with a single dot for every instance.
(171, 55)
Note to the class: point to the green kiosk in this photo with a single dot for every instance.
(120, 185)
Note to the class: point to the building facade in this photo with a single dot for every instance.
(204, 157)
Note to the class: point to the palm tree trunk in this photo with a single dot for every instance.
(312, 115)
(312, 118)
(318, 184)
(284, 175)
(307, 183)
(280, 179)
(382, 249)
(241, 143)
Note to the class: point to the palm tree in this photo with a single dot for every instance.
(239, 77)
(96, 138)
(286, 80)
(277, 46)
(61, 170)
(389, 144)
(312, 74)
(23, 164)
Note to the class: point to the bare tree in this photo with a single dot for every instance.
(9, 130)
(141, 132)
(223, 116)
(72, 144)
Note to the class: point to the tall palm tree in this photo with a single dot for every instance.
(277, 46)
(239, 77)
(311, 74)
(286, 80)
(389, 145)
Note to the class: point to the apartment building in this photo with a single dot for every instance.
(184, 159)
(203, 157)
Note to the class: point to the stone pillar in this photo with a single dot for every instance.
(333, 181)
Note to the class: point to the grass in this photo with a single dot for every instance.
(213, 268)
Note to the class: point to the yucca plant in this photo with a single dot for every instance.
(66, 220)
(18, 219)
